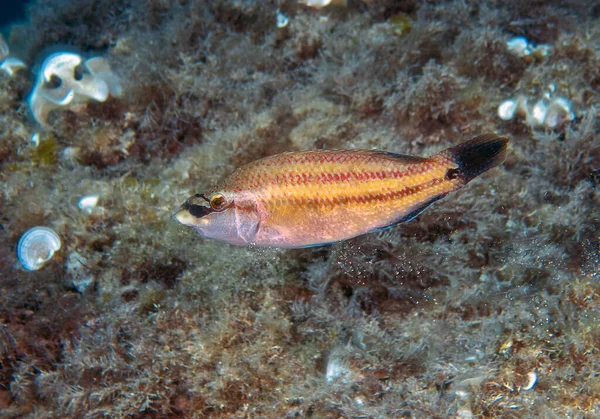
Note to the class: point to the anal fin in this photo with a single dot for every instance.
(411, 215)
(312, 246)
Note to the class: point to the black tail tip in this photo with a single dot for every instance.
(478, 155)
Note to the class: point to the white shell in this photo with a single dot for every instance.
(507, 109)
(538, 113)
(87, 203)
(60, 64)
(10, 65)
(559, 111)
(96, 81)
(282, 20)
(317, 4)
(35, 139)
(36, 247)
(519, 46)
(100, 69)
(531, 381)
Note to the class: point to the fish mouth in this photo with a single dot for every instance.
(191, 214)
(183, 216)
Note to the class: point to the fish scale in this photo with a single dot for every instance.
(316, 197)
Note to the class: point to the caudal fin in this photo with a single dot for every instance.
(478, 155)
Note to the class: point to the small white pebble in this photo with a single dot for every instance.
(532, 381)
(282, 20)
(519, 46)
(87, 203)
(507, 109)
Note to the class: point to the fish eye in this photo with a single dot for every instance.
(217, 202)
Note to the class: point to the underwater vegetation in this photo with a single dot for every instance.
(485, 306)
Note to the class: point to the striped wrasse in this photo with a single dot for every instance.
(310, 198)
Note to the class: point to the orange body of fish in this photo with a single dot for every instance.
(309, 198)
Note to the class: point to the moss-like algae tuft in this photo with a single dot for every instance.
(46, 153)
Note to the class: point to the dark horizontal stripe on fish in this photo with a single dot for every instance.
(323, 178)
(364, 199)
(338, 177)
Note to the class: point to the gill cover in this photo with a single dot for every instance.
(219, 217)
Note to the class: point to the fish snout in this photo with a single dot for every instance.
(182, 215)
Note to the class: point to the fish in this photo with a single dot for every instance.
(314, 198)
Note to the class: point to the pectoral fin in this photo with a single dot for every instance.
(247, 225)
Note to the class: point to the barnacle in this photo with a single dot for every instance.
(65, 79)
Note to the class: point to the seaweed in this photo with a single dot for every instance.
(449, 314)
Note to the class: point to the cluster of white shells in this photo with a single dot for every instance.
(66, 79)
(546, 113)
(521, 47)
(550, 111)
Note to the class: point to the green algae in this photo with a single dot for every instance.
(401, 24)
(46, 153)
